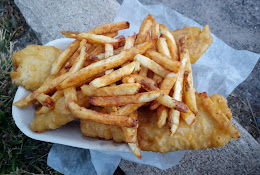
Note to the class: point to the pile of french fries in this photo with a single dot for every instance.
(121, 75)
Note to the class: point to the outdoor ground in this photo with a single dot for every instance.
(22, 155)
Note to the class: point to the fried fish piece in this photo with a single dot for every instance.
(198, 41)
(32, 65)
(58, 116)
(205, 132)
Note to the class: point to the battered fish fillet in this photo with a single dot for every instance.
(57, 117)
(198, 41)
(32, 65)
(205, 132)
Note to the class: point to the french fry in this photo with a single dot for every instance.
(103, 65)
(115, 75)
(170, 42)
(144, 29)
(111, 27)
(122, 89)
(164, 61)
(152, 65)
(97, 39)
(188, 89)
(165, 99)
(46, 100)
(174, 115)
(56, 96)
(221, 102)
(218, 115)
(87, 114)
(163, 47)
(111, 35)
(97, 50)
(155, 31)
(109, 49)
(130, 41)
(162, 115)
(165, 87)
(125, 99)
(63, 57)
(135, 149)
(131, 133)
(79, 62)
(188, 117)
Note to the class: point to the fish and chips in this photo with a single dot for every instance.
(136, 89)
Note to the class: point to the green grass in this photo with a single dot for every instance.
(19, 154)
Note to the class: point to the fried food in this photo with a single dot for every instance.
(198, 41)
(204, 133)
(33, 65)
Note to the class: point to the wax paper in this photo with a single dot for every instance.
(219, 70)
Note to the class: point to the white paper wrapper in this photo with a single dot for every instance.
(219, 70)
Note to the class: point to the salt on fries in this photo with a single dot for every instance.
(114, 73)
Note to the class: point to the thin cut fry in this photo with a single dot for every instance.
(115, 75)
(79, 62)
(56, 96)
(97, 39)
(46, 100)
(125, 99)
(63, 57)
(127, 109)
(155, 31)
(164, 61)
(143, 71)
(144, 29)
(163, 47)
(157, 78)
(130, 41)
(170, 42)
(139, 78)
(87, 114)
(162, 115)
(103, 65)
(122, 89)
(188, 117)
(188, 89)
(152, 65)
(109, 49)
(174, 115)
(111, 27)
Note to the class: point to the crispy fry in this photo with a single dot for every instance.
(155, 31)
(125, 99)
(163, 47)
(165, 87)
(135, 149)
(109, 49)
(174, 115)
(170, 42)
(152, 65)
(218, 115)
(131, 133)
(164, 61)
(144, 29)
(46, 100)
(104, 65)
(165, 99)
(143, 71)
(188, 117)
(188, 89)
(79, 62)
(122, 89)
(111, 27)
(162, 115)
(127, 109)
(97, 39)
(87, 114)
(221, 102)
(63, 57)
(115, 75)
(130, 41)
(56, 96)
